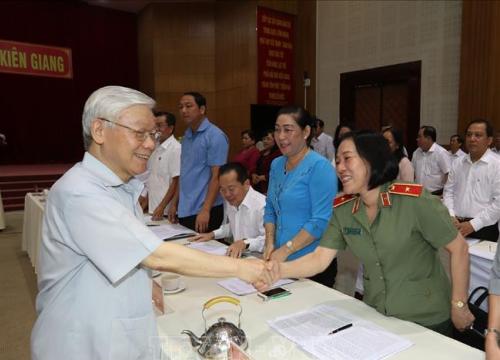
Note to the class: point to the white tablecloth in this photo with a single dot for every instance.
(34, 204)
(265, 343)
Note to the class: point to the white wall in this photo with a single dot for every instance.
(356, 35)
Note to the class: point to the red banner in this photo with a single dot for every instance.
(275, 45)
(39, 60)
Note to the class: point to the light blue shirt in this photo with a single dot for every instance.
(300, 199)
(94, 298)
(206, 147)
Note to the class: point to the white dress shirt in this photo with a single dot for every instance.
(164, 164)
(456, 155)
(431, 167)
(473, 190)
(323, 145)
(245, 221)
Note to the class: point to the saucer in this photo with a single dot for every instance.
(182, 287)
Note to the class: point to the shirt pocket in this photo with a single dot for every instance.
(132, 339)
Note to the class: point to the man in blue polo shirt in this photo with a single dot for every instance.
(204, 150)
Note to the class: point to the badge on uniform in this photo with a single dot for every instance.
(351, 231)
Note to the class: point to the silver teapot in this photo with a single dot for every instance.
(216, 341)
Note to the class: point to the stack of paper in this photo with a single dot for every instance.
(363, 341)
(211, 248)
(239, 287)
(171, 231)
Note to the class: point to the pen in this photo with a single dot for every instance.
(340, 329)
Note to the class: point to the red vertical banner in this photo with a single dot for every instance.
(275, 47)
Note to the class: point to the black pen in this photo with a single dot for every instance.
(340, 329)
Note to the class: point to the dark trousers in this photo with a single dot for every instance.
(216, 217)
(327, 277)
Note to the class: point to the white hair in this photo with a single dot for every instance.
(108, 102)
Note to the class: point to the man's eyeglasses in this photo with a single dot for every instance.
(139, 135)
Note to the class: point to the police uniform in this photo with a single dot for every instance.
(403, 275)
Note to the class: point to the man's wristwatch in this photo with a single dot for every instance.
(458, 304)
(289, 246)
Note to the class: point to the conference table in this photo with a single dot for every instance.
(184, 312)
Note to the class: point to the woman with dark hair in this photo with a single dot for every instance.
(340, 130)
(249, 155)
(395, 229)
(270, 151)
(300, 196)
(395, 139)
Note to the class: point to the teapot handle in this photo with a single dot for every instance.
(220, 299)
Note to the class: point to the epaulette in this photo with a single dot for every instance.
(343, 200)
(406, 189)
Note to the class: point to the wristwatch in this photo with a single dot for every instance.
(458, 303)
(289, 246)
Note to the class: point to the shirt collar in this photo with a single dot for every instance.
(167, 141)
(486, 158)
(203, 126)
(432, 148)
(108, 177)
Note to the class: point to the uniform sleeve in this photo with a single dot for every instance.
(109, 234)
(217, 151)
(433, 220)
(333, 238)
(322, 190)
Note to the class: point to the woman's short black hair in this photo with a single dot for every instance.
(398, 139)
(250, 134)
(301, 117)
(374, 149)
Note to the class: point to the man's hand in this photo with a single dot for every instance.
(254, 270)
(491, 347)
(455, 221)
(462, 318)
(158, 213)
(465, 228)
(202, 219)
(280, 254)
(202, 237)
(158, 297)
(172, 214)
(236, 249)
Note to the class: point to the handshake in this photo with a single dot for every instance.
(261, 274)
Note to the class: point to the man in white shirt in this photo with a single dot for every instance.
(322, 143)
(472, 193)
(244, 209)
(456, 143)
(164, 168)
(430, 161)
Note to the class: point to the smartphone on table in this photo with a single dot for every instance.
(273, 293)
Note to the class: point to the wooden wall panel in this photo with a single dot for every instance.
(211, 47)
(480, 63)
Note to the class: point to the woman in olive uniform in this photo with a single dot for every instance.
(395, 229)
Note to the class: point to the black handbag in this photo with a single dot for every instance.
(475, 336)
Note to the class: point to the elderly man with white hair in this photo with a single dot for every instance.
(96, 254)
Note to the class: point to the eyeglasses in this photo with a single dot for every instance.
(139, 135)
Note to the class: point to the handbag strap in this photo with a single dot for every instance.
(481, 297)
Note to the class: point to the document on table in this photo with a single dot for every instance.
(484, 249)
(364, 340)
(215, 249)
(239, 287)
(149, 222)
(171, 231)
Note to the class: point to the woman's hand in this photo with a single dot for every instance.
(280, 254)
(462, 318)
(268, 251)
